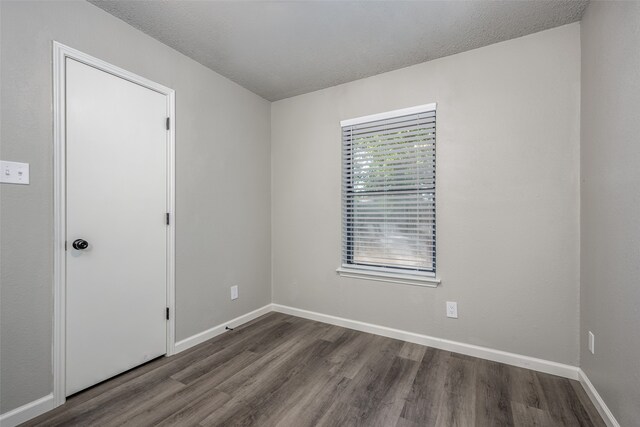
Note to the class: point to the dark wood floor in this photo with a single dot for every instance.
(287, 371)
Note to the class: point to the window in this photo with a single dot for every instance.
(389, 193)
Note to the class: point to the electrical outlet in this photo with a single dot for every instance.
(592, 339)
(452, 309)
(234, 292)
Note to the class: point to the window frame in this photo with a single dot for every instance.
(403, 275)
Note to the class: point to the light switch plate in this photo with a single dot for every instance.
(234, 292)
(14, 172)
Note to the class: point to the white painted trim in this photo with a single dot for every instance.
(389, 114)
(60, 53)
(513, 359)
(26, 412)
(597, 400)
(380, 276)
(171, 229)
(217, 330)
(59, 224)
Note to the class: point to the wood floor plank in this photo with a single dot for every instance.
(528, 416)
(104, 408)
(268, 339)
(525, 388)
(423, 402)
(333, 333)
(369, 383)
(564, 406)
(594, 416)
(198, 399)
(313, 402)
(230, 414)
(222, 372)
(412, 351)
(493, 404)
(349, 359)
(195, 410)
(341, 414)
(305, 390)
(245, 379)
(386, 403)
(457, 406)
(294, 385)
(280, 370)
(403, 422)
(265, 392)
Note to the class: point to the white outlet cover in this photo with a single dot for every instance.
(234, 292)
(452, 309)
(592, 339)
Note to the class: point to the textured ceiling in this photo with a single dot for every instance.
(282, 49)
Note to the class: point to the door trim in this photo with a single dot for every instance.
(60, 54)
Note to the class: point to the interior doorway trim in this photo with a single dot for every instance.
(60, 54)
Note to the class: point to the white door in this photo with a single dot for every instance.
(116, 202)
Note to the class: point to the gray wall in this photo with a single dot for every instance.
(508, 197)
(508, 191)
(610, 222)
(223, 190)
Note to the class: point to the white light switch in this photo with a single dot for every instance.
(14, 172)
(234, 292)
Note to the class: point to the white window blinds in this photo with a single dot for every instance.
(389, 193)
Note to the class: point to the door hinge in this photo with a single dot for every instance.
(167, 313)
(168, 123)
(167, 218)
(65, 245)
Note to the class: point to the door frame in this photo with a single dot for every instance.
(60, 54)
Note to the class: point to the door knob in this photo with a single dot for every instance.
(80, 244)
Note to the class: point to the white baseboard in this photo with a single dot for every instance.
(26, 412)
(217, 330)
(595, 397)
(513, 359)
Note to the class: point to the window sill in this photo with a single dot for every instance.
(403, 279)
